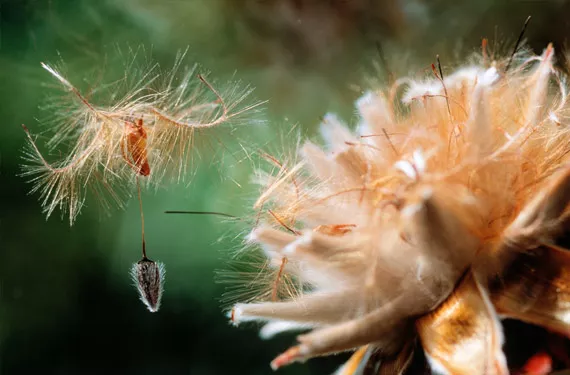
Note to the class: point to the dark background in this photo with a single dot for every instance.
(67, 305)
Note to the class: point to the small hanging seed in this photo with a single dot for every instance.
(148, 277)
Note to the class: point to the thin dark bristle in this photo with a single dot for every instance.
(517, 44)
(283, 223)
(442, 83)
(439, 66)
(201, 213)
(384, 62)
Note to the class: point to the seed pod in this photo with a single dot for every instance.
(148, 277)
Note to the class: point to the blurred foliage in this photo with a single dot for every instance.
(67, 305)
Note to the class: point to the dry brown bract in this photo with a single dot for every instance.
(151, 124)
(427, 223)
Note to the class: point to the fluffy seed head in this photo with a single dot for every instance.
(380, 224)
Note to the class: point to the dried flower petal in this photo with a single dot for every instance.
(538, 364)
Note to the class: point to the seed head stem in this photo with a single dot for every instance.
(142, 219)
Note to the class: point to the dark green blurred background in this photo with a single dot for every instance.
(67, 305)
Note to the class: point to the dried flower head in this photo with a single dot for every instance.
(148, 123)
(439, 214)
(148, 277)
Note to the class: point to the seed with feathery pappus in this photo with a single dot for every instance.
(148, 277)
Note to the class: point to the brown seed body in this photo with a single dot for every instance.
(136, 138)
(148, 276)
